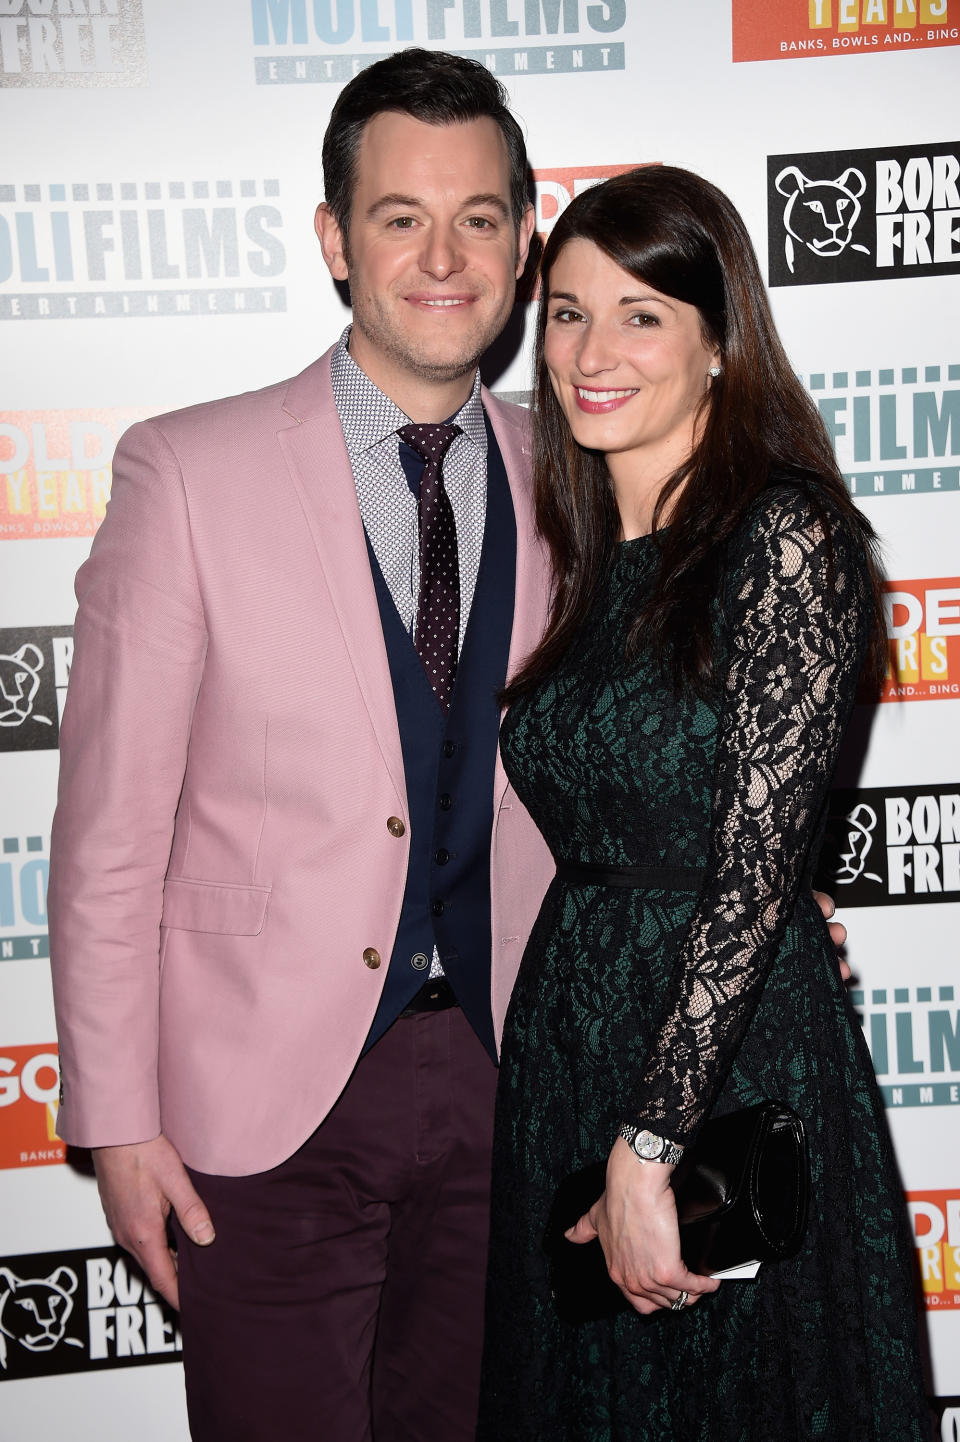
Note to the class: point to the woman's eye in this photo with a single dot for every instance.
(644, 319)
(567, 315)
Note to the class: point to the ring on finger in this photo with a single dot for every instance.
(678, 1303)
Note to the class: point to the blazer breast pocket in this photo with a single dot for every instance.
(214, 906)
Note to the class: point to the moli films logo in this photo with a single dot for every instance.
(914, 1038)
(896, 431)
(140, 248)
(887, 847)
(298, 43)
(24, 869)
(785, 29)
(842, 216)
(29, 1087)
(935, 1219)
(80, 1311)
(72, 42)
(34, 670)
(55, 470)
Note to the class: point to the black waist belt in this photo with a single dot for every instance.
(436, 995)
(671, 878)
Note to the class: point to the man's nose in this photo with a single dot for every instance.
(442, 254)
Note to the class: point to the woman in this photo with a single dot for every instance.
(715, 601)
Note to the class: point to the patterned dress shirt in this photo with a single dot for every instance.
(388, 506)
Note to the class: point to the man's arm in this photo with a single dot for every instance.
(139, 1185)
(140, 642)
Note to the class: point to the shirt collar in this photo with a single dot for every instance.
(369, 417)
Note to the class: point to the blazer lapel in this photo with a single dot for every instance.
(316, 457)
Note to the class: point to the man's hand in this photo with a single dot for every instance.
(837, 930)
(139, 1184)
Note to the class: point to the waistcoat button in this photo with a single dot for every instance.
(419, 961)
(446, 801)
(437, 908)
(371, 958)
(441, 856)
(395, 826)
(449, 747)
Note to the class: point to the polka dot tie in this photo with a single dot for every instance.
(437, 628)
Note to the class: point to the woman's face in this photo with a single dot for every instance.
(627, 364)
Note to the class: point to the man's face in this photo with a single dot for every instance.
(432, 255)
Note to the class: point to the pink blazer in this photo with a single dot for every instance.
(222, 866)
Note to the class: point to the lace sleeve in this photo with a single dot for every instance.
(796, 634)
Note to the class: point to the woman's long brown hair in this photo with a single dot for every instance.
(682, 236)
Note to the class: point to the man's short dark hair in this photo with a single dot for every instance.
(431, 86)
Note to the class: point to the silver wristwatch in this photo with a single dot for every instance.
(648, 1146)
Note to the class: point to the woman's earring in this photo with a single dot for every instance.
(714, 371)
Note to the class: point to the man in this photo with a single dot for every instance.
(284, 851)
(271, 875)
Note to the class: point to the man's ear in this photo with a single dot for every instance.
(524, 237)
(331, 241)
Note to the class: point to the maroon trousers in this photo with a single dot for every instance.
(342, 1300)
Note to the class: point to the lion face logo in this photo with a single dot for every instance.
(858, 840)
(19, 683)
(34, 1312)
(820, 214)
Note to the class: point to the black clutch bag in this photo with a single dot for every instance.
(741, 1193)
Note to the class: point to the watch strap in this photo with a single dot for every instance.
(648, 1147)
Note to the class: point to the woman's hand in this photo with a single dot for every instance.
(636, 1221)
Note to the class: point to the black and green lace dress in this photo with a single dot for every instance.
(663, 1007)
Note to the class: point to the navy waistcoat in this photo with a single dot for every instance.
(448, 764)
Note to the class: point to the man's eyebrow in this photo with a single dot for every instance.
(395, 200)
(487, 198)
(391, 201)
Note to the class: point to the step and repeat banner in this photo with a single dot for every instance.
(159, 173)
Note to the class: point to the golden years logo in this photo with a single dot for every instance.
(29, 1086)
(787, 29)
(923, 630)
(935, 1218)
(556, 188)
(55, 470)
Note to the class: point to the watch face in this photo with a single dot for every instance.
(648, 1146)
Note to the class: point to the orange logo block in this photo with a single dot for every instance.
(788, 29)
(923, 631)
(556, 188)
(935, 1219)
(29, 1086)
(55, 470)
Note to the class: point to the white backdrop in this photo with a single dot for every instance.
(159, 175)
